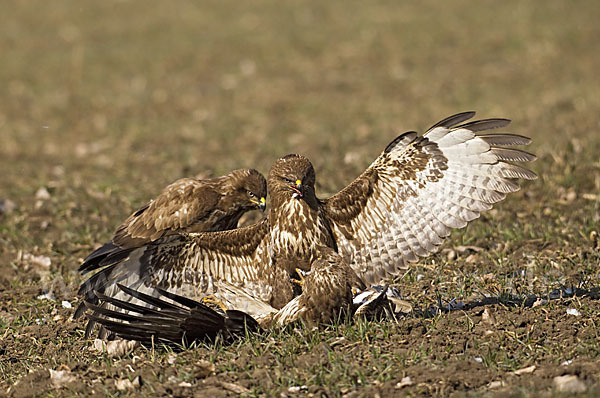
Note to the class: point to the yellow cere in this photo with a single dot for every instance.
(298, 182)
(262, 200)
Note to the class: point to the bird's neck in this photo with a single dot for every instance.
(297, 229)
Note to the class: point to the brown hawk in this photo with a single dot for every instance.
(399, 209)
(187, 205)
(326, 294)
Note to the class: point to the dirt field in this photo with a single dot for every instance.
(104, 103)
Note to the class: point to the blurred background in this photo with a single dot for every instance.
(104, 103)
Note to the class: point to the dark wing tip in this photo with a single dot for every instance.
(454, 119)
(95, 258)
(404, 139)
(485, 124)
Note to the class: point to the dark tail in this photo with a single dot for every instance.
(181, 323)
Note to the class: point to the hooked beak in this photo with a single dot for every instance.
(262, 203)
(297, 189)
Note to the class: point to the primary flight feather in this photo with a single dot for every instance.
(399, 209)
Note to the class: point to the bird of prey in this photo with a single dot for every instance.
(187, 205)
(326, 294)
(400, 208)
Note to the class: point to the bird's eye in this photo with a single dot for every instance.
(287, 180)
(251, 194)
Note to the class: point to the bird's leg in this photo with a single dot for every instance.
(211, 299)
(301, 275)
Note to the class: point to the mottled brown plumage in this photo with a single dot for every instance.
(401, 208)
(326, 292)
(326, 295)
(187, 205)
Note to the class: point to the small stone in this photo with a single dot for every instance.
(46, 296)
(488, 317)
(478, 359)
(525, 371)
(171, 359)
(42, 194)
(61, 378)
(496, 384)
(593, 238)
(66, 304)
(405, 382)
(235, 388)
(115, 348)
(7, 206)
(569, 384)
(42, 262)
(126, 384)
(297, 389)
(573, 311)
(184, 384)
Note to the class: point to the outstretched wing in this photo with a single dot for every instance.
(405, 204)
(180, 206)
(191, 265)
(169, 317)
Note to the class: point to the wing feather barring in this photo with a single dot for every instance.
(401, 208)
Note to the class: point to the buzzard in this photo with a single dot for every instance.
(187, 205)
(400, 208)
(326, 294)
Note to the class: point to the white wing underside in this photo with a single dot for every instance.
(406, 219)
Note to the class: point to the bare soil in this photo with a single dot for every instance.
(105, 103)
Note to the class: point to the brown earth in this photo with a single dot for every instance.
(104, 103)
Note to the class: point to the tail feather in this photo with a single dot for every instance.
(165, 321)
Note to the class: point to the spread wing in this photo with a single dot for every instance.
(185, 205)
(170, 318)
(419, 188)
(189, 264)
(185, 202)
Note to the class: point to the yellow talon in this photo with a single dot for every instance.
(301, 276)
(215, 301)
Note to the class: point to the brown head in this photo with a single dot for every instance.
(249, 187)
(331, 263)
(327, 257)
(292, 177)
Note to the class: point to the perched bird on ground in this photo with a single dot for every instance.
(399, 209)
(187, 205)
